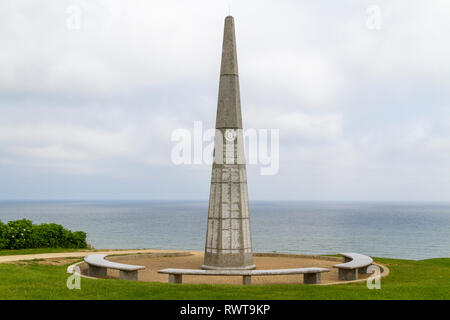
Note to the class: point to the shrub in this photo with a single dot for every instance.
(20, 234)
(3, 237)
(23, 234)
(78, 240)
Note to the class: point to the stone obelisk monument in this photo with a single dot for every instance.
(228, 238)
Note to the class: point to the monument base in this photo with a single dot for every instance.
(235, 261)
(205, 267)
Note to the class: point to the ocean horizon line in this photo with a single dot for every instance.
(206, 200)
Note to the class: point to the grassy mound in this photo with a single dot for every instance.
(409, 279)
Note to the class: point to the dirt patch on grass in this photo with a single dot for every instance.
(49, 262)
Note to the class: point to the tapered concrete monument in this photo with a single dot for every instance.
(228, 238)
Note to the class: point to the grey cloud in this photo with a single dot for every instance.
(363, 114)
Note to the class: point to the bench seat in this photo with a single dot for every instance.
(311, 275)
(354, 263)
(97, 267)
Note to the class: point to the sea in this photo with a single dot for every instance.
(379, 229)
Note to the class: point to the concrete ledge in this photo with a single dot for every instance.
(128, 275)
(99, 261)
(96, 272)
(98, 267)
(310, 275)
(312, 278)
(117, 255)
(348, 274)
(175, 278)
(384, 273)
(354, 263)
(162, 253)
(267, 272)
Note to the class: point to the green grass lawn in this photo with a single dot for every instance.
(37, 251)
(426, 279)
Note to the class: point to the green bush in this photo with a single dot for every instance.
(23, 234)
(3, 237)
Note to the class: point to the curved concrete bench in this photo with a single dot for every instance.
(310, 275)
(354, 263)
(97, 267)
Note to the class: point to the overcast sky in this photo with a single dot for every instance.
(88, 113)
